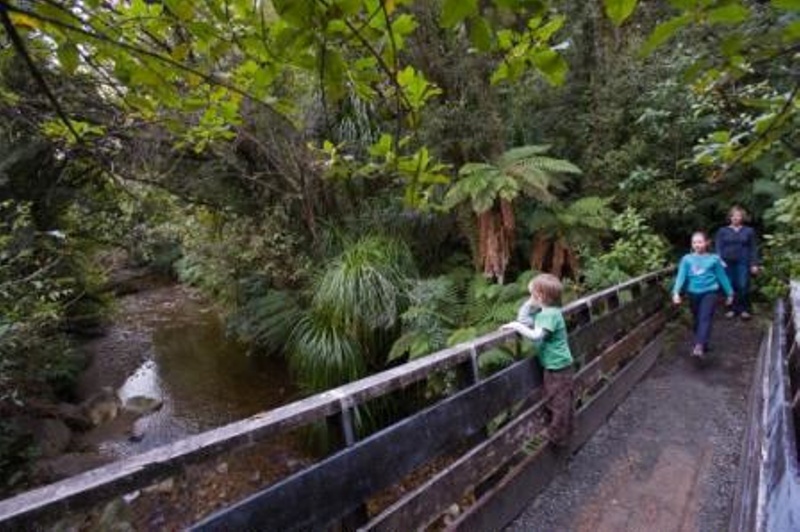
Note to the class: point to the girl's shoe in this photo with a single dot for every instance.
(730, 314)
(697, 351)
(745, 315)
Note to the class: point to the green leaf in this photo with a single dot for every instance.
(730, 14)
(786, 5)
(455, 11)
(544, 33)
(619, 10)
(299, 13)
(416, 87)
(551, 65)
(402, 26)
(68, 57)
(180, 8)
(501, 73)
(791, 32)
(663, 32)
(348, 7)
(480, 34)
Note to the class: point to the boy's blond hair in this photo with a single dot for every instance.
(548, 286)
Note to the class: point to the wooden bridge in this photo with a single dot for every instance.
(470, 456)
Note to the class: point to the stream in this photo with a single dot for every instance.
(169, 343)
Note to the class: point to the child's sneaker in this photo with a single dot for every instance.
(745, 315)
(730, 314)
(697, 351)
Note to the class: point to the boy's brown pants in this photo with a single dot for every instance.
(558, 394)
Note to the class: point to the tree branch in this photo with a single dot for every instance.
(19, 46)
(750, 147)
(209, 78)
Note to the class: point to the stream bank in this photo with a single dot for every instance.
(166, 347)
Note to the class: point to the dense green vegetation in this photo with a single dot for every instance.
(359, 182)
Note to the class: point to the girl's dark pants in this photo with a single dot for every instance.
(558, 397)
(703, 306)
(739, 273)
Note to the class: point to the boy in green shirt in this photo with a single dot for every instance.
(547, 329)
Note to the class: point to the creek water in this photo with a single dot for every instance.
(168, 343)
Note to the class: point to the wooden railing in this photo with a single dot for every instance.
(768, 495)
(614, 336)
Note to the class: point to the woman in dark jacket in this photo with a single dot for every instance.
(736, 245)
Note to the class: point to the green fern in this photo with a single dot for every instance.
(519, 170)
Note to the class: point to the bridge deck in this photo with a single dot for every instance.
(667, 458)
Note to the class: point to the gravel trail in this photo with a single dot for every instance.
(667, 458)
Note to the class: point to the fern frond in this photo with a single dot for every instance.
(592, 212)
(549, 165)
(515, 155)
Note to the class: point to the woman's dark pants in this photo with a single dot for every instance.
(739, 275)
(703, 306)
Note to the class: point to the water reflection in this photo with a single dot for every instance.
(204, 379)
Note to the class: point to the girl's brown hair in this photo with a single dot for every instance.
(548, 286)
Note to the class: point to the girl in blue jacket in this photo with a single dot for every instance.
(703, 273)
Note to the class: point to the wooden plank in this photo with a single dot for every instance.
(587, 341)
(423, 505)
(628, 347)
(745, 499)
(591, 416)
(341, 482)
(593, 299)
(513, 493)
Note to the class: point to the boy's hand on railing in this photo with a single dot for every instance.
(512, 326)
(676, 298)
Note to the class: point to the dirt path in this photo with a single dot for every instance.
(667, 458)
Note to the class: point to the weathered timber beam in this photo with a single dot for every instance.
(498, 506)
(602, 366)
(345, 480)
(420, 507)
(588, 341)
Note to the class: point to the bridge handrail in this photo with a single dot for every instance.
(769, 478)
(151, 466)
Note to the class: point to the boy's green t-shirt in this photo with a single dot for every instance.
(554, 350)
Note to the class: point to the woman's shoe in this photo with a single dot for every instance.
(745, 315)
(697, 351)
(730, 314)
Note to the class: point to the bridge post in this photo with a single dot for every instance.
(341, 430)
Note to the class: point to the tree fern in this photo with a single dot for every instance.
(490, 190)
